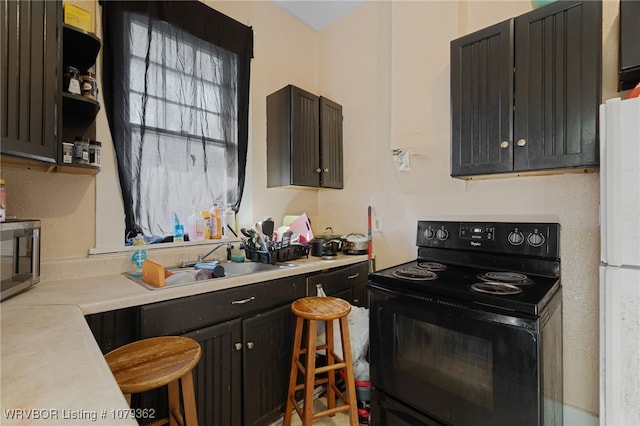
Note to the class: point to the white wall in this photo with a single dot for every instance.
(387, 63)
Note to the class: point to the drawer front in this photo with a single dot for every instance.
(340, 279)
(190, 313)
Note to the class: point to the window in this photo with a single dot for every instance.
(178, 108)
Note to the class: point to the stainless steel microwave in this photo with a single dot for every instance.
(20, 256)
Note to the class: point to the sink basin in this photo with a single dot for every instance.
(233, 269)
(186, 276)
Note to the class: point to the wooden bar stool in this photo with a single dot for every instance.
(151, 363)
(312, 310)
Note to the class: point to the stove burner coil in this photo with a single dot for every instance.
(413, 273)
(496, 288)
(432, 266)
(513, 278)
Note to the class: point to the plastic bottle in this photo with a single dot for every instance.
(178, 229)
(229, 221)
(215, 222)
(139, 253)
(195, 226)
(206, 217)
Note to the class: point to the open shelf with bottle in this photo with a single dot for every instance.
(79, 110)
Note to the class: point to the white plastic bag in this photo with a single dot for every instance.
(359, 337)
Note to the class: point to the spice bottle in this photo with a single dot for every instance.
(95, 153)
(81, 150)
(72, 80)
(88, 85)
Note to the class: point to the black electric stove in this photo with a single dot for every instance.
(470, 332)
(510, 266)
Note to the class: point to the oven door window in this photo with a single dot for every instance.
(460, 366)
(454, 362)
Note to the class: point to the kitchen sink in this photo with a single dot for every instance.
(186, 276)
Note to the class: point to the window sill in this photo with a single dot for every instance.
(97, 251)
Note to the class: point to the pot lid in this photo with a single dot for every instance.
(327, 235)
(356, 238)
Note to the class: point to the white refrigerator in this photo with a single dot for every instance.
(620, 262)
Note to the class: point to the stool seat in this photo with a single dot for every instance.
(155, 362)
(310, 311)
(320, 308)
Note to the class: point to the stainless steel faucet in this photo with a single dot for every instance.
(202, 257)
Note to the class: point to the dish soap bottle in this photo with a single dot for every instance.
(178, 229)
(139, 253)
(215, 222)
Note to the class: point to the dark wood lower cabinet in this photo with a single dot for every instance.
(216, 377)
(246, 335)
(268, 346)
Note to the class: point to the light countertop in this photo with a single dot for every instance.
(52, 369)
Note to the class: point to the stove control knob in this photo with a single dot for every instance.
(442, 234)
(535, 239)
(429, 233)
(515, 238)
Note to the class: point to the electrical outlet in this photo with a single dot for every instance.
(376, 225)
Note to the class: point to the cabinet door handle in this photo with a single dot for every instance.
(250, 345)
(356, 275)
(521, 142)
(238, 346)
(318, 170)
(504, 144)
(326, 170)
(243, 301)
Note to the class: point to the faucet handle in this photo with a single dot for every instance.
(200, 257)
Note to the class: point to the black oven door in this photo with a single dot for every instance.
(458, 365)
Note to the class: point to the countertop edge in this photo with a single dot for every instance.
(51, 315)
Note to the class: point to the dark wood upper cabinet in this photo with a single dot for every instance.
(629, 55)
(330, 144)
(36, 114)
(481, 101)
(30, 100)
(525, 93)
(304, 140)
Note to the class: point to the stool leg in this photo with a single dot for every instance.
(331, 384)
(310, 373)
(293, 375)
(175, 417)
(346, 355)
(189, 399)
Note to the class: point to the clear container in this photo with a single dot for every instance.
(72, 80)
(81, 150)
(195, 226)
(88, 86)
(95, 153)
(67, 152)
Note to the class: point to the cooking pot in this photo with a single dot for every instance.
(322, 247)
(355, 244)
